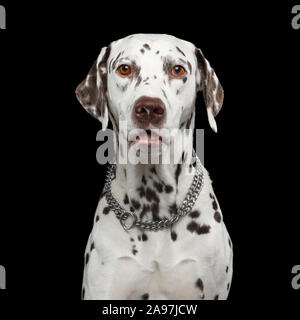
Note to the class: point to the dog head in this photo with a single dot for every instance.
(150, 81)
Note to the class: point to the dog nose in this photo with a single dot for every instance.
(149, 110)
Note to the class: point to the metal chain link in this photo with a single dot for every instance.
(164, 223)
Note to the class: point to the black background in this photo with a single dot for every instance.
(51, 180)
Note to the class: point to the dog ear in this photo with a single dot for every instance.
(91, 92)
(208, 82)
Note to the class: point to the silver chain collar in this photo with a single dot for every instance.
(164, 223)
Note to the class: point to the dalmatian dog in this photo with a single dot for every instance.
(151, 82)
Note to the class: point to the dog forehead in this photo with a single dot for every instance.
(139, 45)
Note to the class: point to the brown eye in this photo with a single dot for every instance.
(178, 71)
(124, 70)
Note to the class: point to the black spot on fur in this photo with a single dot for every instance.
(135, 204)
(145, 296)
(183, 157)
(168, 188)
(227, 269)
(141, 191)
(126, 200)
(199, 284)
(106, 210)
(131, 239)
(217, 216)
(173, 208)
(153, 170)
(177, 172)
(87, 257)
(214, 203)
(146, 46)
(83, 293)
(92, 246)
(229, 242)
(139, 237)
(142, 51)
(97, 218)
(157, 52)
(216, 297)
(184, 79)
(135, 69)
(144, 237)
(145, 209)
(228, 286)
(144, 179)
(194, 214)
(115, 61)
(195, 227)
(168, 65)
(134, 251)
(173, 235)
(180, 51)
(131, 209)
(203, 229)
(158, 186)
(151, 195)
(164, 93)
(139, 80)
(155, 211)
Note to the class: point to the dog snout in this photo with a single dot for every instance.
(148, 110)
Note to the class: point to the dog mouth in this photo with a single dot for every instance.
(149, 138)
(145, 137)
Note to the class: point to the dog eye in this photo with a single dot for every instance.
(178, 71)
(124, 70)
